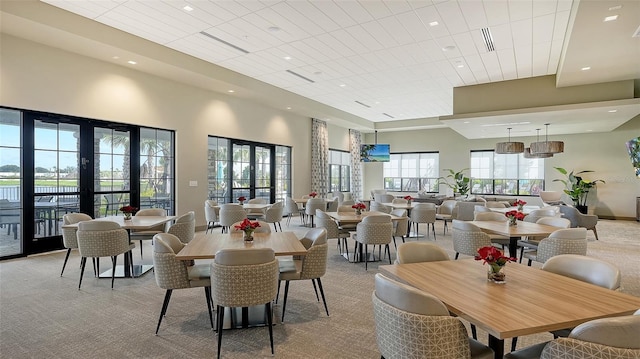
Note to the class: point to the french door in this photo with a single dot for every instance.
(252, 166)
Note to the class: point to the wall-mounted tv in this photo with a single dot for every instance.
(374, 153)
(633, 147)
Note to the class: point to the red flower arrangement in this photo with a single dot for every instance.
(242, 199)
(517, 214)
(247, 226)
(359, 206)
(408, 198)
(493, 256)
(313, 194)
(128, 209)
(520, 202)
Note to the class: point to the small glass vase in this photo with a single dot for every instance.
(496, 274)
(520, 207)
(248, 236)
(127, 216)
(358, 212)
(513, 221)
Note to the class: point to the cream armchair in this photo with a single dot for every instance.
(562, 241)
(467, 238)
(578, 219)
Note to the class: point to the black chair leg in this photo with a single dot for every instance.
(514, 341)
(270, 324)
(315, 289)
(165, 304)
(366, 256)
(278, 294)
(284, 302)
(113, 271)
(324, 300)
(220, 310)
(83, 262)
(474, 332)
(66, 258)
(207, 294)
(141, 249)
(388, 249)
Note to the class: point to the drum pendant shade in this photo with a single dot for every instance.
(509, 147)
(547, 146)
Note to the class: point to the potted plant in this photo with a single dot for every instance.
(576, 187)
(457, 181)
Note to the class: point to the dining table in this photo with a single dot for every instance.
(129, 270)
(531, 301)
(514, 232)
(525, 209)
(206, 245)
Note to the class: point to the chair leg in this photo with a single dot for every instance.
(324, 300)
(521, 253)
(114, 259)
(278, 293)
(280, 225)
(457, 254)
(529, 263)
(141, 249)
(474, 332)
(270, 324)
(595, 232)
(220, 311)
(66, 258)
(433, 228)
(315, 289)
(207, 294)
(83, 262)
(514, 342)
(366, 256)
(284, 302)
(388, 249)
(163, 311)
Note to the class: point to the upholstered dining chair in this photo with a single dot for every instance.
(312, 205)
(399, 201)
(332, 204)
(531, 243)
(410, 323)
(424, 213)
(379, 207)
(578, 219)
(102, 239)
(69, 238)
(147, 234)
(416, 252)
(231, 213)
(332, 230)
(172, 273)
(383, 198)
(445, 212)
(313, 265)
(561, 241)
(263, 228)
(184, 227)
(468, 238)
(401, 226)
(374, 230)
(605, 338)
(536, 214)
(464, 211)
(346, 208)
(211, 214)
(256, 213)
(291, 209)
(244, 278)
(274, 215)
(496, 217)
(551, 197)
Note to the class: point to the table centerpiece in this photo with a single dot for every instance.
(496, 260)
(247, 227)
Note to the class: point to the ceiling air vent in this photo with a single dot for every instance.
(363, 104)
(300, 76)
(224, 42)
(488, 39)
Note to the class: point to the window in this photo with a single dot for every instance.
(512, 174)
(412, 172)
(156, 169)
(339, 171)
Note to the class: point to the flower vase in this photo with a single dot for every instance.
(520, 207)
(513, 221)
(248, 236)
(409, 202)
(496, 274)
(127, 216)
(241, 202)
(358, 211)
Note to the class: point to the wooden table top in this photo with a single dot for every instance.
(205, 246)
(522, 229)
(352, 217)
(136, 222)
(531, 301)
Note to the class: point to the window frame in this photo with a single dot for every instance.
(408, 183)
(498, 174)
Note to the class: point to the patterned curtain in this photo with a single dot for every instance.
(355, 140)
(319, 157)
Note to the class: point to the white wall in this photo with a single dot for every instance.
(604, 153)
(38, 77)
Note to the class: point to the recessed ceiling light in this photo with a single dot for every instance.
(448, 48)
(287, 57)
(274, 29)
(288, 108)
(116, 57)
(460, 66)
(465, 122)
(617, 7)
(343, 85)
(433, 23)
(132, 62)
(612, 111)
(611, 18)
(188, 8)
(586, 68)
(230, 91)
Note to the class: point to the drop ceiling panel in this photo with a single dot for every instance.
(473, 12)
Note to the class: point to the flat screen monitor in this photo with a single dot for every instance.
(374, 153)
(633, 147)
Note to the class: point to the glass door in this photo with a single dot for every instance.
(10, 182)
(111, 170)
(252, 168)
(262, 179)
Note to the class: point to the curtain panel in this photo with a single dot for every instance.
(355, 140)
(319, 157)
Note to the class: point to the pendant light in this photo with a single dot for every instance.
(509, 147)
(527, 151)
(547, 146)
